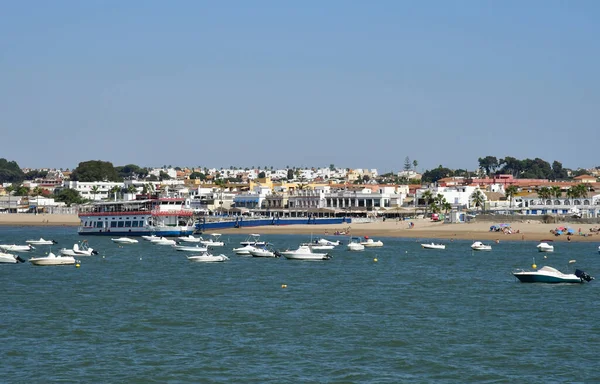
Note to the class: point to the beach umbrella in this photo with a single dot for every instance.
(504, 225)
(560, 232)
(570, 231)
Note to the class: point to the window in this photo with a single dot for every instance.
(99, 224)
(121, 224)
(113, 224)
(141, 223)
(127, 224)
(135, 224)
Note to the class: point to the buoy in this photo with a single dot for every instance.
(533, 266)
(77, 265)
(140, 258)
(103, 257)
(375, 259)
(405, 251)
(283, 285)
(545, 257)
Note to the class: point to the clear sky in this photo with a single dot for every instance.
(360, 84)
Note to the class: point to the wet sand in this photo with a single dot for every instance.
(528, 230)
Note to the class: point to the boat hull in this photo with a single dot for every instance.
(45, 261)
(208, 258)
(525, 277)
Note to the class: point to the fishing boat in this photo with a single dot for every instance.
(304, 252)
(253, 239)
(16, 248)
(545, 246)
(265, 251)
(245, 250)
(52, 259)
(124, 240)
(41, 241)
(208, 258)
(433, 246)
(551, 275)
(213, 241)
(355, 245)
(162, 216)
(9, 258)
(82, 249)
(190, 248)
(479, 246)
(189, 239)
(367, 242)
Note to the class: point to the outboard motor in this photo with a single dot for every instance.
(94, 252)
(277, 253)
(20, 259)
(582, 275)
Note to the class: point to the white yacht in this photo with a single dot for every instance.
(208, 258)
(304, 253)
(52, 259)
(213, 241)
(479, 246)
(9, 258)
(124, 240)
(79, 250)
(253, 239)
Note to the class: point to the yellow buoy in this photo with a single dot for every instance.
(283, 285)
(375, 259)
(77, 265)
(533, 266)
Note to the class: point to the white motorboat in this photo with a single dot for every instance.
(599, 249)
(208, 258)
(355, 245)
(328, 242)
(253, 239)
(164, 241)
(190, 248)
(245, 250)
(41, 241)
(16, 248)
(479, 246)
(213, 241)
(124, 240)
(304, 253)
(371, 243)
(265, 251)
(52, 259)
(433, 246)
(319, 247)
(545, 246)
(79, 250)
(189, 239)
(9, 258)
(551, 275)
(151, 237)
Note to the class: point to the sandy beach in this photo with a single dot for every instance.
(522, 230)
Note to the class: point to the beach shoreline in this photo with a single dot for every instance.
(521, 230)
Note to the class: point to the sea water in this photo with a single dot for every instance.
(143, 313)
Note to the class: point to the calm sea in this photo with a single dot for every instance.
(144, 314)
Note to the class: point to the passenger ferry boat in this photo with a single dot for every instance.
(161, 216)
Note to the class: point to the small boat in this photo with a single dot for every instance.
(265, 251)
(319, 247)
(433, 246)
(551, 275)
(124, 240)
(355, 245)
(371, 243)
(545, 246)
(16, 248)
(164, 241)
(245, 250)
(213, 241)
(189, 239)
(253, 239)
(79, 250)
(328, 242)
(190, 248)
(208, 258)
(52, 259)
(150, 237)
(304, 253)
(599, 249)
(41, 241)
(9, 258)
(479, 246)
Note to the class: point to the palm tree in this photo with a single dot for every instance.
(427, 196)
(446, 207)
(510, 191)
(544, 193)
(415, 163)
(478, 199)
(116, 189)
(10, 189)
(95, 191)
(580, 190)
(131, 189)
(556, 191)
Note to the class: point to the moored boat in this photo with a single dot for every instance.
(479, 246)
(124, 240)
(79, 250)
(265, 251)
(545, 246)
(245, 250)
(208, 258)
(41, 241)
(190, 248)
(433, 246)
(304, 253)
(367, 242)
(551, 275)
(189, 239)
(16, 248)
(164, 241)
(52, 259)
(213, 241)
(9, 258)
(253, 239)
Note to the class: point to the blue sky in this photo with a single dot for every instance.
(307, 83)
